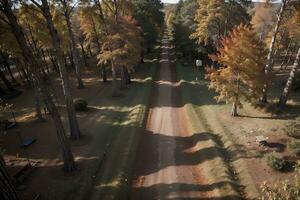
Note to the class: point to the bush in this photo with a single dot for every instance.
(292, 128)
(276, 162)
(285, 190)
(295, 146)
(80, 104)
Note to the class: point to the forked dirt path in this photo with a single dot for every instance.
(165, 167)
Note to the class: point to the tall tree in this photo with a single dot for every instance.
(67, 10)
(293, 27)
(74, 127)
(182, 26)
(215, 18)
(150, 17)
(241, 57)
(91, 28)
(288, 85)
(7, 189)
(5, 8)
(268, 66)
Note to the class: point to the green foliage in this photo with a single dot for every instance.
(80, 104)
(285, 190)
(181, 23)
(292, 128)
(295, 146)
(276, 162)
(240, 76)
(150, 17)
(216, 18)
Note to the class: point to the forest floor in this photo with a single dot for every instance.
(107, 123)
(234, 137)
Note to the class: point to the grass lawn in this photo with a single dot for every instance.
(235, 164)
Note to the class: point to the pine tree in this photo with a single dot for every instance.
(215, 18)
(240, 76)
(74, 127)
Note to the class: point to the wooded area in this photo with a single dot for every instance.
(95, 74)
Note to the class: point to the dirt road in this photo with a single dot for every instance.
(166, 167)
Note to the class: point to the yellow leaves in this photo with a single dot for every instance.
(241, 62)
(123, 44)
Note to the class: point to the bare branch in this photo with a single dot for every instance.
(3, 18)
(37, 4)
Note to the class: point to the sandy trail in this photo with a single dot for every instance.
(165, 166)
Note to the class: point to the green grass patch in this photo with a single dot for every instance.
(114, 177)
(227, 166)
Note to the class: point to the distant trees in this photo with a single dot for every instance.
(150, 18)
(240, 77)
(67, 12)
(181, 23)
(215, 18)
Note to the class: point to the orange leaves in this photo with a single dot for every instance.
(240, 59)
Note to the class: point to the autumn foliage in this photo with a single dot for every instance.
(241, 58)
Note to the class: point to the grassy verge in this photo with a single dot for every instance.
(226, 167)
(114, 171)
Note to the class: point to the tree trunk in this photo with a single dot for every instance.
(7, 66)
(268, 66)
(54, 64)
(74, 49)
(291, 55)
(288, 85)
(69, 164)
(115, 92)
(113, 66)
(36, 97)
(90, 50)
(286, 54)
(7, 189)
(84, 56)
(21, 68)
(128, 77)
(45, 61)
(123, 79)
(2, 92)
(6, 82)
(74, 127)
(102, 68)
(234, 110)
(103, 73)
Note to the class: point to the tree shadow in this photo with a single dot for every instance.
(151, 192)
(276, 117)
(149, 160)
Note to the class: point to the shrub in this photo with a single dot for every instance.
(276, 162)
(292, 128)
(295, 146)
(285, 190)
(80, 104)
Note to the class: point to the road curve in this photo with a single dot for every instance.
(166, 167)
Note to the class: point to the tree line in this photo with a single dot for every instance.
(240, 40)
(44, 37)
